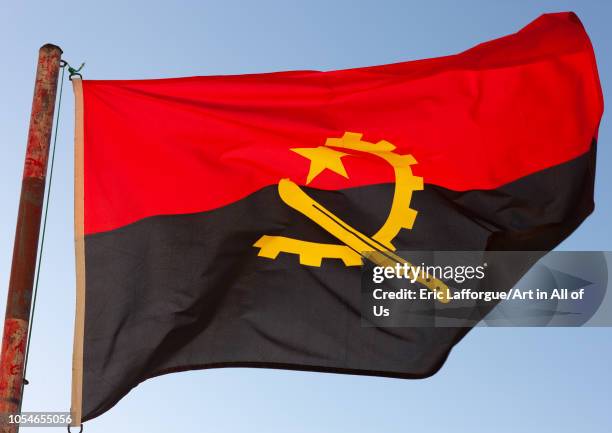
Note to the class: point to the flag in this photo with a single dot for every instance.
(221, 221)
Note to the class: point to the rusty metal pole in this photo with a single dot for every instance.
(25, 249)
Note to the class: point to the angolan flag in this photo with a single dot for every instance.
(221, 221)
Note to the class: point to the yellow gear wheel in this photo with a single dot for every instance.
(401, 216)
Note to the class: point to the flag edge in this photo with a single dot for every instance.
(79, 226)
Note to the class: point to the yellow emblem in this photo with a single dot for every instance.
(355, 245)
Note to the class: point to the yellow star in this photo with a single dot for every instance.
(321, 158)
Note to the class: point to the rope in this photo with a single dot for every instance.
(44, 226)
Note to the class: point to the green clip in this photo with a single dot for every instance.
(72, 71)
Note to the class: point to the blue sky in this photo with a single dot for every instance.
(496, 380)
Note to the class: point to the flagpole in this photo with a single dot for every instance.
(25, 249)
